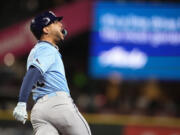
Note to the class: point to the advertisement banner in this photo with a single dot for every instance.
(137, 41)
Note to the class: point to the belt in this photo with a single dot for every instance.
(59, 93)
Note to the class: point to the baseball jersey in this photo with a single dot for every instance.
(47, 59)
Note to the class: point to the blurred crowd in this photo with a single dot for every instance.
(115, 95)
(149, 97)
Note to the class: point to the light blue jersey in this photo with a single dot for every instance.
(48, 60)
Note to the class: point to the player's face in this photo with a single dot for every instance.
(56, 31)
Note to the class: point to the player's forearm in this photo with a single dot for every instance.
(31, 77)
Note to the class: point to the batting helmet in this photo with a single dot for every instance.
(41, 21)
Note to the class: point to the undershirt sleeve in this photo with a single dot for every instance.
(31, 77)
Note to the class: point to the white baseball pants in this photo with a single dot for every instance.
(58, 115)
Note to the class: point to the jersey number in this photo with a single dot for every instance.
(38, 84)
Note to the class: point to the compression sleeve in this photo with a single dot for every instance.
(32, 76)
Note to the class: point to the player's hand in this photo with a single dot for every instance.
(20, 113)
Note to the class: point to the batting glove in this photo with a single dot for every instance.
(20, 113)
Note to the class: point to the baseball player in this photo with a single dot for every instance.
(54, 112)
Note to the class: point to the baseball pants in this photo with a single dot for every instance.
(58, 115)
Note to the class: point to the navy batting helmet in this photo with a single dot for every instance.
(41, 21)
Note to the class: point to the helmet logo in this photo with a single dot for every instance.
(52, 13)
(47, 20)
(33, 21)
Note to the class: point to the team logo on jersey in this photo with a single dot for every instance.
(38, 61)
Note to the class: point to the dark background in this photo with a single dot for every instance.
(92, 96)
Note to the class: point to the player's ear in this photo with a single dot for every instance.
(46, 30)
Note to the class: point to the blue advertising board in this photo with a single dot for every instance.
(137, 41)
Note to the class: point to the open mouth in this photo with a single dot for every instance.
(64, 32)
